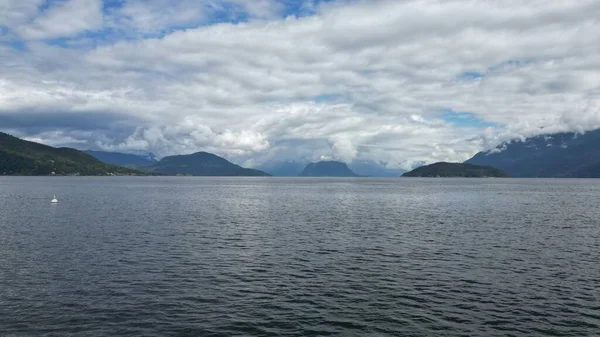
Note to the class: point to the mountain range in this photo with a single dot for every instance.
(560, 155)
(21, 157)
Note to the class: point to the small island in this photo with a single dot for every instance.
(448, 170)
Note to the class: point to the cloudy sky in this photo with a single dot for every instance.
(398, 81)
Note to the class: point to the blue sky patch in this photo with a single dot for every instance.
(301, 8)
(18, 45)
(470, 75)
(47, 4)
(510, 64)
(324, 98)
(218, 12)
(465, 119)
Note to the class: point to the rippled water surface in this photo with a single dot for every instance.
(299, 257)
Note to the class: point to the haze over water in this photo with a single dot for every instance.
(299, 257)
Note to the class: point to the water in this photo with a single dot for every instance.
(299, 257)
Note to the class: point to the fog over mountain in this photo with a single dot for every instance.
(265, 81)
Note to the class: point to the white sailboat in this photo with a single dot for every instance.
(54, 200)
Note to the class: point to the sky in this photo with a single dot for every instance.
(401, 82)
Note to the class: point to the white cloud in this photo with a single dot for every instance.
(137, 16)
(261, 9)
(365, 80)
(16, 12)
(64, 19)
(152, 17)
(342, 148)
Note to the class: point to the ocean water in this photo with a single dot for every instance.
(154, 256)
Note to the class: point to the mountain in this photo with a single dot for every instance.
(591, 171)
(551, 155)
(21, 157)
(455, 170)
(366, 168)
(369, 168)
(122, 159)
(201, 164)
(284, 168)
(327, 169)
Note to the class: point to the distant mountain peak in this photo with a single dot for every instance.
(327, 168)
(201, 164)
